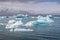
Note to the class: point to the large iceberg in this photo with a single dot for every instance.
(46, 19)
(39, 21)
(13, 25)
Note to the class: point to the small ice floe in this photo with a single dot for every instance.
(26, 15)
(20, 29)
(29, 24)
(2, 17)
(50, 16)
(33, 17)
(20, 16)
(39, 17)
(11, 21)
(2, 24)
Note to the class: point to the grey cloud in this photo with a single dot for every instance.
(41, 8)
(19, 0)
(37, 1)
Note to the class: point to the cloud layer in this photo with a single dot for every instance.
(31, 7)
(19, 0)
(33, 0)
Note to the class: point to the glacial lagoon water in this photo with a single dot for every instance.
(41, 32)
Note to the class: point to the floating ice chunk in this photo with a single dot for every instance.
(1, 24)
(33, 17)
(49, 20)
(26, 15)
(20, 16)
(16, 24)
(11, 21)
(50, 16)
(45, 20)
(11, 30)
(29, 24)
(41, 20)
(23, 29)
(39, 17)
(2, 17)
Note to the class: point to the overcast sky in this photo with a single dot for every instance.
(31, 6)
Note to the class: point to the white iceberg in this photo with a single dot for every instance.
(40, 20)
(29, 24)
(33, 17)
(10, 22)
(50, 16)
(14, 24)
(39, 17)
(45, 20)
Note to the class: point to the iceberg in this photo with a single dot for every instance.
(50, 16)
(14, 24)
(45, 20)
(20, 16)
(39, 17)
(33, 17)
(11, 21)
(39, 21)
(29, 24)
